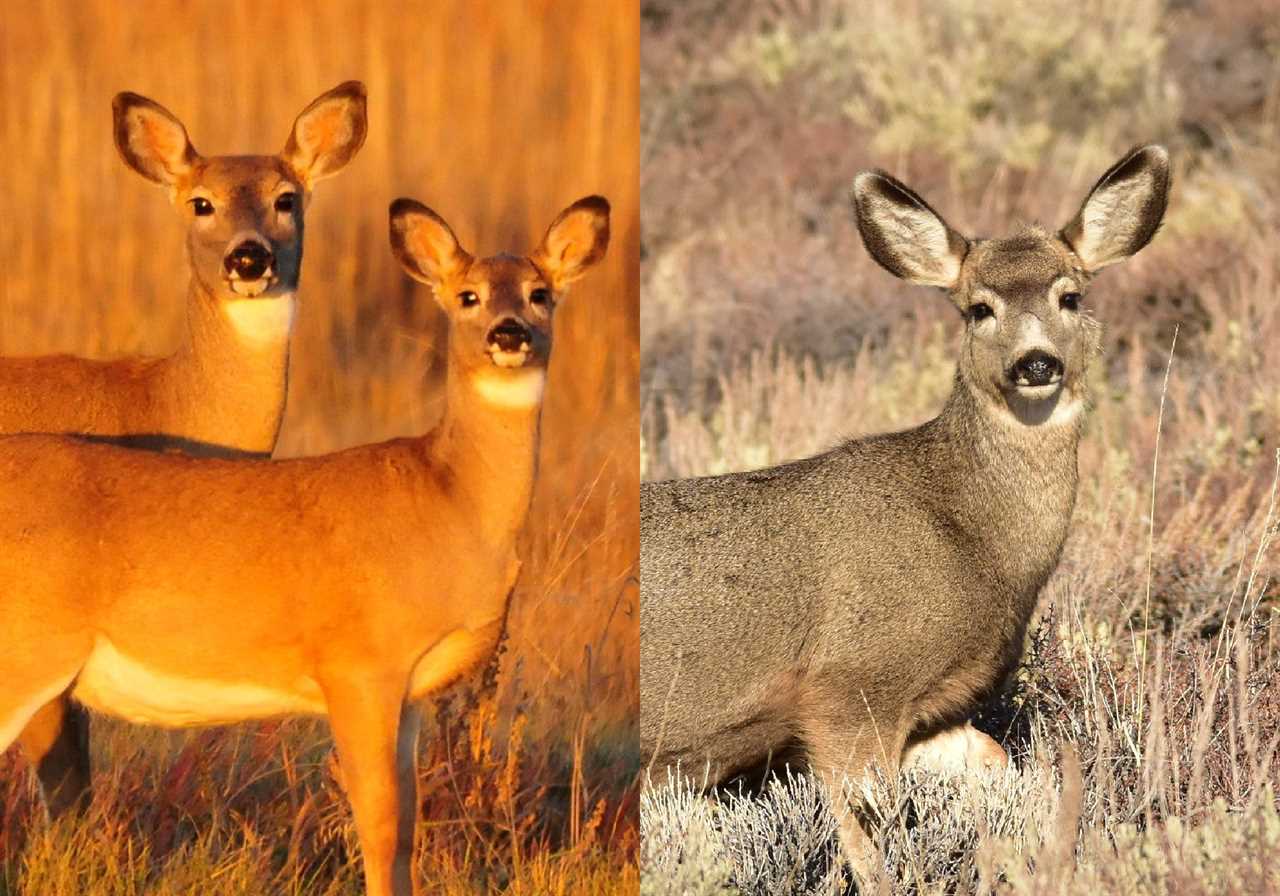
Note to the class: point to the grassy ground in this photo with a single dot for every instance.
(1145, 719)
(498, 116)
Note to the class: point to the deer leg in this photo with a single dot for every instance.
(31, 683)
(843, 752)
(375, 732)
(407, 779)
(56, 741)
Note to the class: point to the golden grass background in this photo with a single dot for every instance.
(497, 115)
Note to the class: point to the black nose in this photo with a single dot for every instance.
(250, 260)
(1036, 368)
(509, 335)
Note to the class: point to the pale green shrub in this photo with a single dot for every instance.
(975, 82)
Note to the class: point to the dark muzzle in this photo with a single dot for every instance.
(1036, 368)
(250, 260)
(509, 335)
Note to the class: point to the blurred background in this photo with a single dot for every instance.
(768, 333)
(497, 115)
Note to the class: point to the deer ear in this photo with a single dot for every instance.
(575, 241)
(151, 140)
(908, 238)
(328, 133)
(423, 243)
(1123, 210)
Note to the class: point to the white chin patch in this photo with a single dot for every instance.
(250, 288)
(509, 359)
(262, 320)
(1039, 393)
(511, 389)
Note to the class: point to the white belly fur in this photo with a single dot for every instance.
(454, 655)
(114, 683)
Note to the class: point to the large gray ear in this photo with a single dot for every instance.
(908, 238)
(1123, 210)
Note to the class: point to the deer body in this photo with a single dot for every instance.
(176, 621)
(175, 590)
(222, 393)
(900, 534)
(862, 604)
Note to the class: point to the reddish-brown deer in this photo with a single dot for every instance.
(222, 391)
(179, 591)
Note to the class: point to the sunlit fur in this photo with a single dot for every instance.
(222, 391)
(182, 591)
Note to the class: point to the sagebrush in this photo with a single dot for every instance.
(1145, 718)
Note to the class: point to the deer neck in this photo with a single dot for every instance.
(488, 440)
(231, 372)
(1010, 476)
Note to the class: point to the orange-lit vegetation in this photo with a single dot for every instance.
(497, 118)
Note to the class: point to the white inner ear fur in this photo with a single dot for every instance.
(1110, 219)
(915, 235)
(152, 135)
(262, 320)
(510, 388)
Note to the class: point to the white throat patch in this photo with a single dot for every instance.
(262, 320)
(511, 388)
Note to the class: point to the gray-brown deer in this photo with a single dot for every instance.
(861, 604)
(179, 591)
(222, 392)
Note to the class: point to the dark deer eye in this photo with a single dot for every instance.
(285, 202)
(540, 296)
(468, 299)
(1070, 301)
(201, 206)
(980, 311)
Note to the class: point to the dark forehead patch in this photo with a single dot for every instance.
(502, 270)
(1025, 262)
(263, 173)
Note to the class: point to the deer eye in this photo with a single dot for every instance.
(285, 202)
(1070, 301)
(540, 296)
(468, 299)
(979, 312)
(201, 206)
